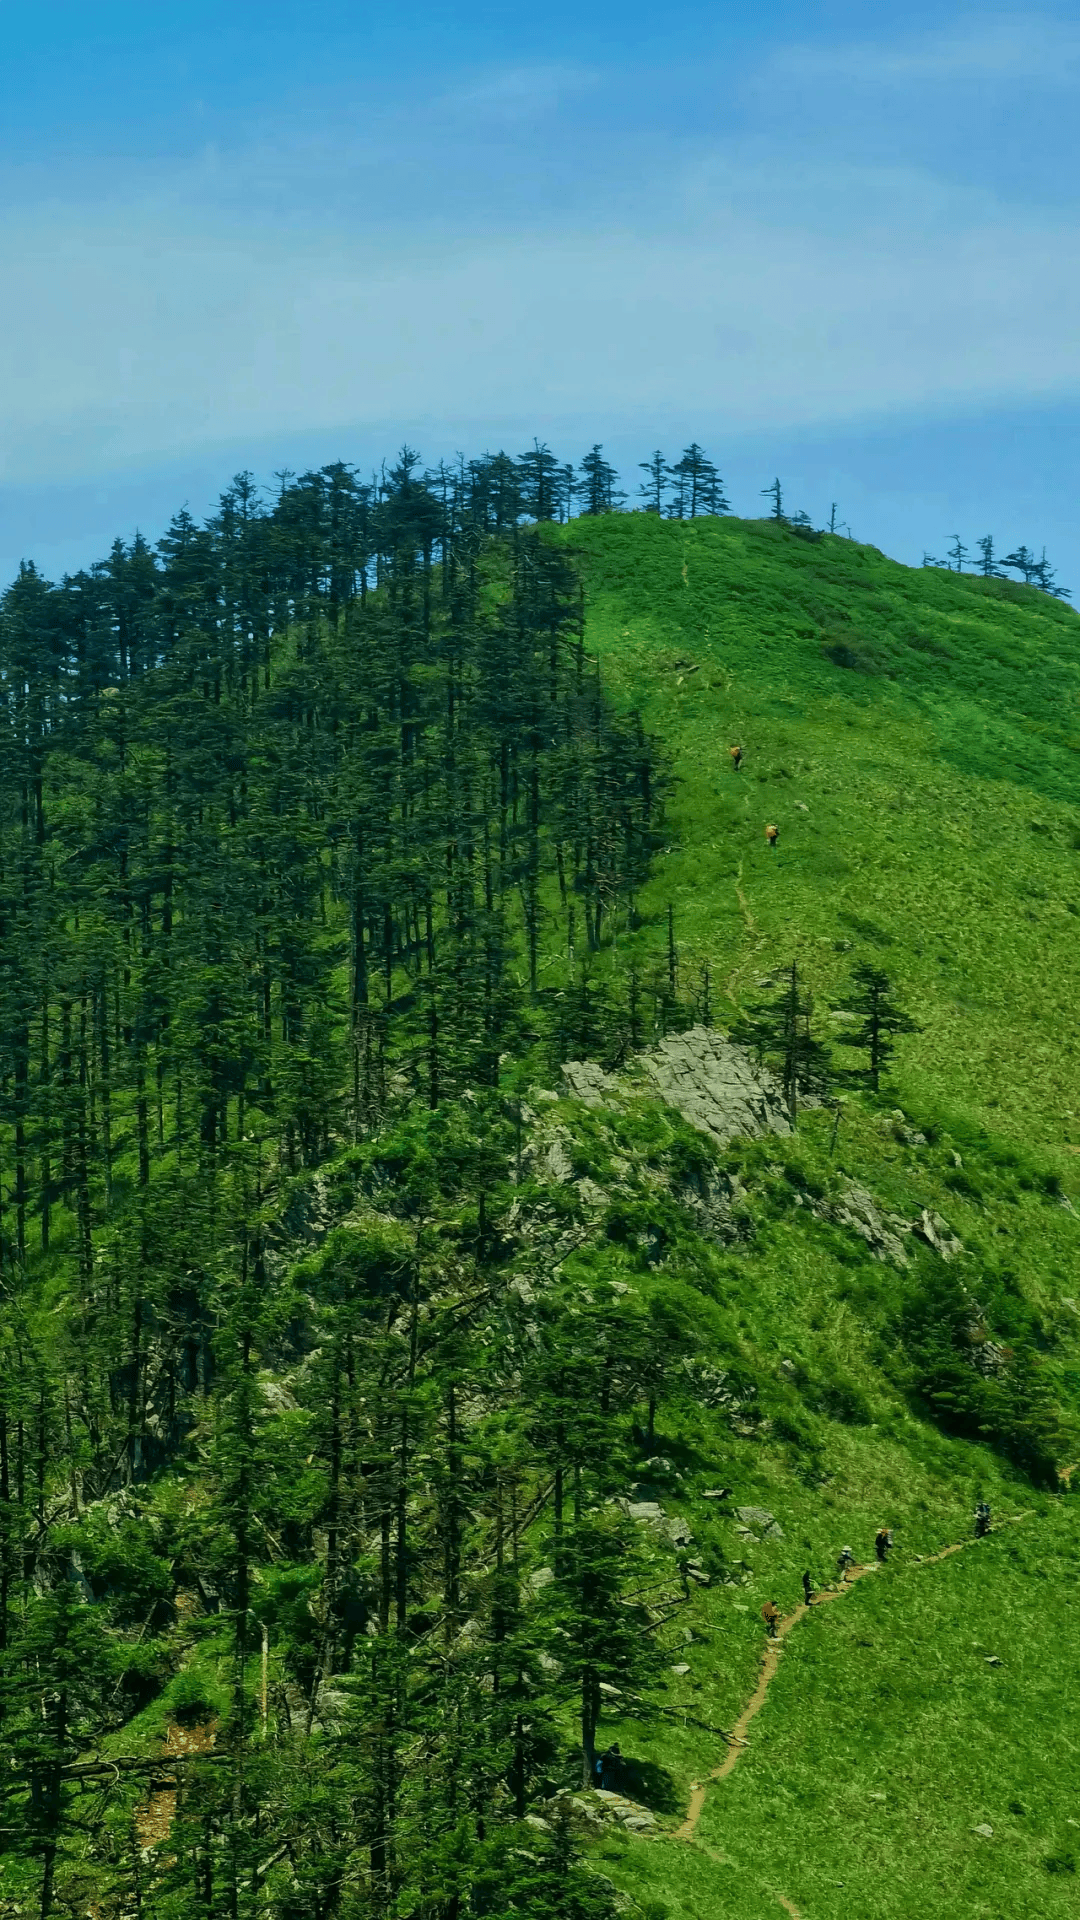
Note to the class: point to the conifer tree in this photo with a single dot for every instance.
(598, 486)
(654, 487)
(774, 492)
(881, 1020)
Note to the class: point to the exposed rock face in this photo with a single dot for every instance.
(714, 1084)
(761, 1521)
(720, 1089)
(859, 1212)
(938, 1234)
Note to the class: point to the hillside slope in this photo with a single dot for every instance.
(929, 725)
(439, 1315)
(915, 737)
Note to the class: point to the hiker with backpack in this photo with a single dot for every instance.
(982, 1519)
(770, 1613)
(882, 1544)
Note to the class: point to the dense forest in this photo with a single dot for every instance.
(310, 819)
(320, 848)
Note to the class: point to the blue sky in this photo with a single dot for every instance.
(838, 244)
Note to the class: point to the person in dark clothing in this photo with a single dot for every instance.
(770, 1613)
(607, 1766)
(808, 1589)
(772, 836)
(982, 1519)
(882, 1543)
(736, 757)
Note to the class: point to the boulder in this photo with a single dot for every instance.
(761, 1521)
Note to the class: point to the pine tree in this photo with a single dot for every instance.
(782, 1030)
(599, 484)
(986, 549)
(774, 492)
(881, 1020)
(654, 487)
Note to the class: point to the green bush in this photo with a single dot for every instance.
(972, 1361)
(191, 1698)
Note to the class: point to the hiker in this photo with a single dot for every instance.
(882, 1543)
(845, 1562)
(982, 1519)
(736, 757)
(606, 1766)
(772, 835)
(770, 1613)
(808, 1589)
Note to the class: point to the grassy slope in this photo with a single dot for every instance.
(943, 786)
(942, 838)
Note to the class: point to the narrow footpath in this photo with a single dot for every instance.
(770, 1664)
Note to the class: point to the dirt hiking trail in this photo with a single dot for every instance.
(770, 1666)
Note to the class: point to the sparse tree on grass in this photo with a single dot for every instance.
(775, 493)
(881, 1020)
(654, 488)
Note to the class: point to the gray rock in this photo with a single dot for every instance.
(649, 1511)
(683, 1667)
(762, 1521)
(985, 1831)
(713, 1083)
(938, 1234)
(857, 1210)
(541, 1577)
(585, 1081)
(591, 1194)
(550, 1159)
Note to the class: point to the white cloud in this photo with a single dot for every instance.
(1009, 48)
(509, 94)
(143, 338)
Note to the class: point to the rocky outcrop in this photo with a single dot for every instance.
(713, 1083)
(857, 1210)
(883, 1231)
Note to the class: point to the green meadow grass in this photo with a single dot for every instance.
(887, 1737)
(940, 773)
(916, 737)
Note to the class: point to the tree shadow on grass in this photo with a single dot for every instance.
(646, 1782)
